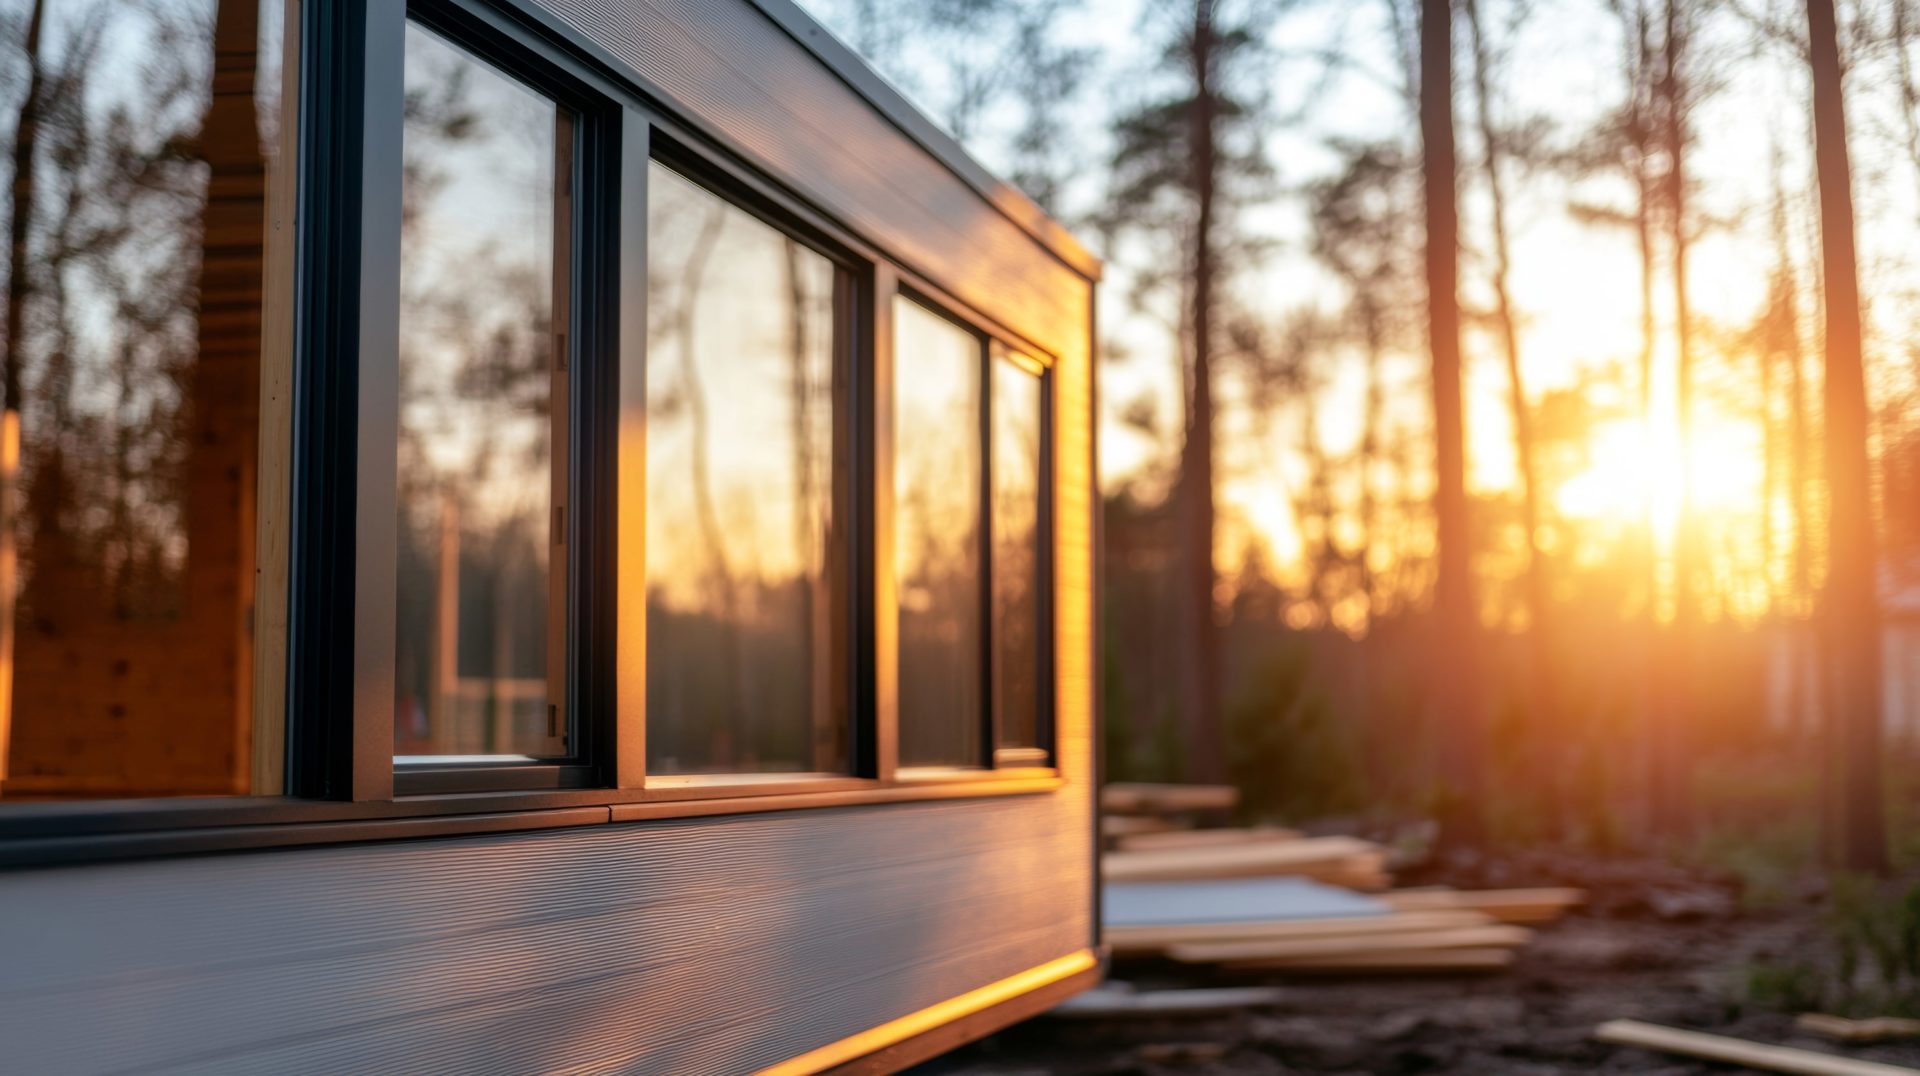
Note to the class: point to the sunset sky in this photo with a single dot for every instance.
(1575, 286)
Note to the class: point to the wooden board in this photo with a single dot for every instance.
(1150, 939)
(1121, 826)
(1146, 841)
(1429, 961)
(1763, 1056)
(1143, 798)
(1254, 952)
(1335, 858)
(1871, 1029)
(1505, 905)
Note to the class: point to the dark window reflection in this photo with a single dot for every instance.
(746, 468)
(478, 580)
(135, 206)
(1016, 552)
(937, 442)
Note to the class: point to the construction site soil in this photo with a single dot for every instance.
(1654, 943)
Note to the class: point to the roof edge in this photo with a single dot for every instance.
(858, 74)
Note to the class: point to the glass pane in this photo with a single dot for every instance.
(745, 604)
(1016, 553)
(132, 413)
(477, 386)
(936, 461)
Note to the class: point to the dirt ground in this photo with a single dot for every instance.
(1654, 944)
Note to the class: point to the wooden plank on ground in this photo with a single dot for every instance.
(1769, 1058)
(1144, 798)
(1154, 938)
(1871, 1029)
(1120, 826)
(1257, 951)
(1507, 905)
(1434, 961)
(1314, 856)
(1202, 838)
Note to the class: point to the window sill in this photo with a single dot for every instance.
(49, 833)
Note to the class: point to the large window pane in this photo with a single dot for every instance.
(480, 576)
(132, 320)
(937, 442)
(746, 464)
(1017, 642)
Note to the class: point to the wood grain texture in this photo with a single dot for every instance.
(690, 946)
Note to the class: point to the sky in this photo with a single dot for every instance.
(1576, 287)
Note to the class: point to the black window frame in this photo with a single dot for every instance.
(591, 359)
(852, 408)
(996, 345)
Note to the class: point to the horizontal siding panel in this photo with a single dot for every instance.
(702, 945)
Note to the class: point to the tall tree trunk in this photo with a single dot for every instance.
(1544, 698)
(25, 138)
(1455, 676)
(1206, 757)
(1850, 620)
(1675, 715)
(1375, 408)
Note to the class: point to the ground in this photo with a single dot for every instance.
(1656, 944)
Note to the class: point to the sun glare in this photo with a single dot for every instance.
(1636, 473)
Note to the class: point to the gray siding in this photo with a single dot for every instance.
(700, 945)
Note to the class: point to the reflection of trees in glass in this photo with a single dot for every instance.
(937, 537)
(742, 465)
(1016, 536)
(135, 222)
(475, 454)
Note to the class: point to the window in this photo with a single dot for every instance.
(970, 565)
(131, 475)
(937, 548)
(481, 625)
(747, 483)
(1020, 624)
(545, 460)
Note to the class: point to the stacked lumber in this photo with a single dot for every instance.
(1342, 861)
(1278, 902)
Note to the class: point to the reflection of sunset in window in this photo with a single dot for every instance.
(745, 470)
(936, 469)
(477, 602)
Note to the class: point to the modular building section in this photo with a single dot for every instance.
(534, 536)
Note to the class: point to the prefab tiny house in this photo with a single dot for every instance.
(535, 535)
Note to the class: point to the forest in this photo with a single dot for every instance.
(1510, 413)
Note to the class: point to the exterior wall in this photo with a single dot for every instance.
(700, 945)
